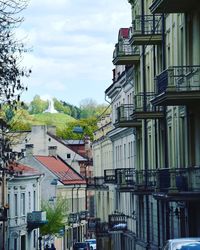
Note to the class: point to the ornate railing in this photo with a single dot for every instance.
(124, 113)
(146, 179)
(102, 228)
(117, 222)
(147, 25)
(109, 176)
(144, 98)
(125, 177)
(178, 179)
(96, 182)
(179, 79)
(123, 48)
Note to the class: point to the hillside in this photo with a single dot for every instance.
(23, 120)
(59, 119)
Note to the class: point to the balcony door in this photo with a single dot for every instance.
(23, 242)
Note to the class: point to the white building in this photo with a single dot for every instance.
(23, 198)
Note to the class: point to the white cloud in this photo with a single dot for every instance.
(73, 42)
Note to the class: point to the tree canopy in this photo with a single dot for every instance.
(57, 214)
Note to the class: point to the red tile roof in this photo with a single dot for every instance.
(62, 170)
(20, 169)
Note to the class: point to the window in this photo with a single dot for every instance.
(22, 205)
(68, 156)
(15, 202)
(34, 238)
(29, 201)
(15, 243)
(9, 205)
(34, 200)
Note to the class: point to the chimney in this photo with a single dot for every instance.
(87, 146)
(51, 129)
(52, 150)
(29, 149)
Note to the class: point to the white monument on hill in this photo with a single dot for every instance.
(51, 108)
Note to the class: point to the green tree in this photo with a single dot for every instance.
(57, 214)
(88, 108)
(58, 105)
(89, 125)
(37, 105)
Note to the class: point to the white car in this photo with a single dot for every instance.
(92, 243)
(182, 244)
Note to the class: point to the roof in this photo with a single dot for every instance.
(61, 169)
(124, 32)
(70, 146)
(19, 169)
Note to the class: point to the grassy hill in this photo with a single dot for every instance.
(23, 120)
(58, 119)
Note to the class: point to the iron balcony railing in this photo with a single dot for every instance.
(96, 182)
(73, 218)
(146, 179)
(117, 222)
(92, 224)
(142, 103)
(125, 177)
(147, 25)
(110, 176)
(123, 48)
(36, 219)
(178, 179)
(179, 79)
(102, 229)
(84, 215)
(174, 6)
(124, 113)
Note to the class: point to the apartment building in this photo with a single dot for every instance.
(164, 115)
(24, 209)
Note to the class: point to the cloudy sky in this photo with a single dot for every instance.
(73, 42)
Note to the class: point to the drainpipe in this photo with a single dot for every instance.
(73, 198)
(156, 148)
(145, 130)
(77, 201)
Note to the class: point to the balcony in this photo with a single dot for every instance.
(110, 176)
(174, 6)
(178, 85)
(147, 30)
(124, 117)
(3, 214)
(143, 108)
(96, 183)
(117, 222)
(92, 224)
(73, 218)
(84, 215)
(36, 219)
(102, 229)
(124, 54)
(125, 179)
(145, 181)
(178, 184)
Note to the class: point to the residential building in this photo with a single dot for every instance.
(24, 201)
(76, 153)
(104, 195)
(61, 181)
(164, 116)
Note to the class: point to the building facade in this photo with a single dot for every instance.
(159, 55)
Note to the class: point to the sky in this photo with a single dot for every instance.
(72, 43)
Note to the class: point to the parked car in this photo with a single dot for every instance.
(81, 246)
(92, 243)
(183, 244)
